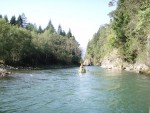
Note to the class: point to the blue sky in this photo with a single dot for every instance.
(83, 17)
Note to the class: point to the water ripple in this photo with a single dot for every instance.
(64, 90)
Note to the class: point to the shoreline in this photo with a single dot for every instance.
(136, 68)
(116, 63)
(6, 70)
(4, 73)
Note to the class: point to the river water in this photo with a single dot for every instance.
(67, 91)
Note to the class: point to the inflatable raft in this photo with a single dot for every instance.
(82, 70)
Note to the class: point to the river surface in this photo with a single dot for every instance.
(67, 91)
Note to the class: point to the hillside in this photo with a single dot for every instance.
(128, 33)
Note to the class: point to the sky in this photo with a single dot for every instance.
(83, 17)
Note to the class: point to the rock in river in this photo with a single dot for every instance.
(4, 72)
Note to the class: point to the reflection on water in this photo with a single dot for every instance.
(67, 91)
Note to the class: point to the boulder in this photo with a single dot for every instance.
(138, 67)
(128, 67)
(4, 72)
(112, 61)
(88, 62)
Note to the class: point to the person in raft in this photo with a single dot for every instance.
(82, 69)
(81, 66)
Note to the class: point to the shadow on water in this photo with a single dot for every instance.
(7, 78)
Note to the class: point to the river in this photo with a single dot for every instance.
(67, 91)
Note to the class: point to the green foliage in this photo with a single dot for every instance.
(40, 29)
(20, 46)
(50, 27)
(6, 18)
(20, 21)
(128, 32)
(4, 29)
(144, 20)
(24, 20)
(1, 16)
(131, 27)
(31, 27)
(100, 45)
(13, 20)
(59, 31)
(69, 34)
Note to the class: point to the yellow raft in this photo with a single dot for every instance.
(82, 70)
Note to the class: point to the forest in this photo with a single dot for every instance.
(24, 44)
(128, 32)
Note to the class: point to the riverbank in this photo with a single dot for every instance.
(118, 64)
(114, 61)
(6, 70)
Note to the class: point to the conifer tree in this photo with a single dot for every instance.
(20, 21)
(69, 34)
(24, 20)
(1, 16)
(13, 20)
(40, 29)
(50, 27)
(6, 18)
(59, 31)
